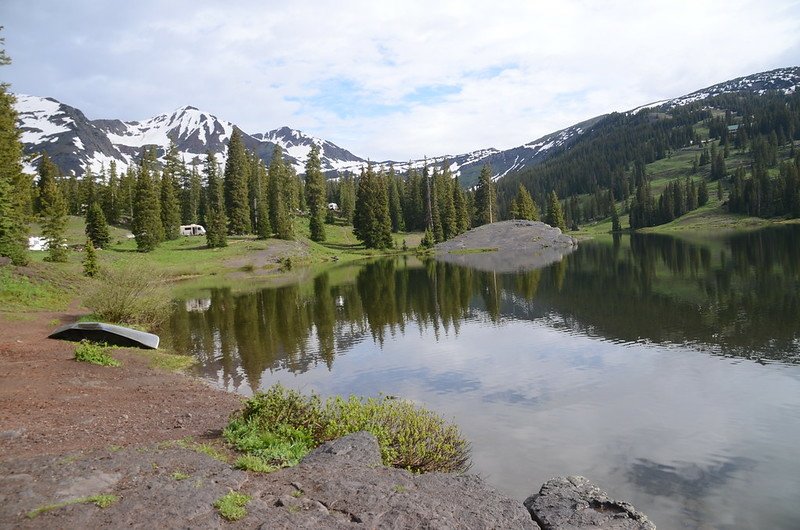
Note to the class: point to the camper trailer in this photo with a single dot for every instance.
(192, 230)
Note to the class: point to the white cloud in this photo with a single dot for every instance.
(546, 65)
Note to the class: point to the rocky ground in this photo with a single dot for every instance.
(70, 431)
(507, 246)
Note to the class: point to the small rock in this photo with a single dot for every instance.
(576, 503)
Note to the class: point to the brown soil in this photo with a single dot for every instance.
(51, 404)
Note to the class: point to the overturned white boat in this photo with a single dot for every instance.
(108, 333)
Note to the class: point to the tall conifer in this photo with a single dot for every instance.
(54, 222)
(315, 195)
(485, 198)
(236, 176)
(146, 224)
(555, 216)
(216, 221)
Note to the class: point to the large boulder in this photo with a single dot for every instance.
(575, 503)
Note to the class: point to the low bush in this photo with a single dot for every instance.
(280, 426)
(133, 295)
(89, 352)
(231, 506)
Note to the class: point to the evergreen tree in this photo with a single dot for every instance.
(96, 227)
(48, 174)
(463, 215)
(280, 196)
(170, 207)
(54, 222)
(127, 195)
(259, 201)
(485, 198)
(719, 190)
(347, 198)
(216, 220)
(13, 182)
(702, 193)
(90, 266)
(523, 205)
(191, 196)
(372, 223)
(111, 195)
(315, 195)
(236, 176)
(446, 204)
(395, 202)
(434, 213)
(615, 224)
(555, 216)
(146, 224)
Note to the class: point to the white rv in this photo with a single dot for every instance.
(192, 230)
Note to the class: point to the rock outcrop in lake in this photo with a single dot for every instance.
(576, 503)
(507, 246)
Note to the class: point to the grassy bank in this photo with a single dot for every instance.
(51, 286)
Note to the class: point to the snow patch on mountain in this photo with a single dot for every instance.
(42, 119)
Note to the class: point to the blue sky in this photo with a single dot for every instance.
(390, 80)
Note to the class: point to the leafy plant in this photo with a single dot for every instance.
(281, 426)
(93, 353)
(130, 295)
(254, 463)
(231, 506)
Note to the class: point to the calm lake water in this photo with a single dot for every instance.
(667, 371)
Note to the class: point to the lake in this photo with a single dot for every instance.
(665, 370)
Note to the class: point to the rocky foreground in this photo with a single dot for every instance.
(342, 484)
(507, 246)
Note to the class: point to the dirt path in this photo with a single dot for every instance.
(50, 404)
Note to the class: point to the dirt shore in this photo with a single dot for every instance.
(50, 404)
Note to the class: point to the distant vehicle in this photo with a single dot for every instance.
(37, 243)
(192, 230)
(333, 206)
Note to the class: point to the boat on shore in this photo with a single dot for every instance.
(106, 333)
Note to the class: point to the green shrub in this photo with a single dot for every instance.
(281, 426)
(231, 506)
(89, 352)
(254, 463)
(133, 295)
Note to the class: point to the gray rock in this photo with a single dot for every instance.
(358, 448)
(575, 503)
(507, 246)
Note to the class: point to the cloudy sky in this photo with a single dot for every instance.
(390, 80)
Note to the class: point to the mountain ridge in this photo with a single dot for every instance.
(77, 144)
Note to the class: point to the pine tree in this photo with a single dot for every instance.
(127, 194)
(54, 222)
(170, 206)
(463, 214)
(216, 220)
(555, 216)
(48, 174)
(191, 196)
(236, 178)
(702, 193)
(90, 266)
(485, 198)
(111, 195)
(395, 202)
(523, 205)
(615, 224)
(447, 207)
(372, 223)
(259, 203)
(347, 198)
(280, 196)
(96, 227)
(315, 195)
(13, 219)
(146, 224)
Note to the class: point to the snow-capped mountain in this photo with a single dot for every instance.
(78, 144)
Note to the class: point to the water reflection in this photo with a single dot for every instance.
(737, 297)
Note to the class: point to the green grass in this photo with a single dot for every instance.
(93, 353)
(472, 251)
(34, 288)
(171, 362)
(101, 501)
(281, 426)
(206, 449)
(180, 475)
(231, 506)
(254, 463)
